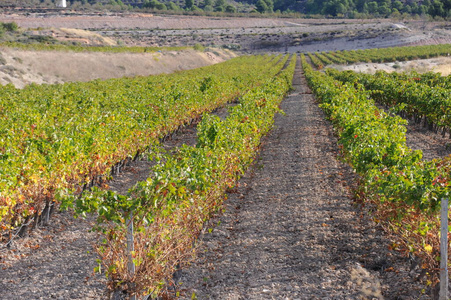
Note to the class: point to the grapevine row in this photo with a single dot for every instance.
(334, 58)
(432, 79)
(315, 60)
(379, 55)
(405, 189)
(412, 96)
(324, 59)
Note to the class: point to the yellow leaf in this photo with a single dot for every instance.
(428, 248)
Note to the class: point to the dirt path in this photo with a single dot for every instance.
(290, 231)
(432, 144)
(54, 262)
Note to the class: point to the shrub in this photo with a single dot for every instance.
(198, 47)
(12, 26)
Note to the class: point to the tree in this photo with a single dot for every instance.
(310, 6)
(335, 8)
(340, 9)
(359, 4)
(422, 10)
(160, 6)
(384, 10)
(373, 7)
(220, 3)
(415, 8)
(172, 6)
(397, 5)
(230, 9)
(261, 6)
(365, 8)
(195, 8)
(189, 4)
(270, 5)
(395, 14)
(208, 3)
(408, 9)
(437, 9)
(154, 4)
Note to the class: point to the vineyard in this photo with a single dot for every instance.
(60, 140)
(405, 189)
(322, 59)
(62, 144)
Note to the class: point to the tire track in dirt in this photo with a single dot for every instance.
(290, 230)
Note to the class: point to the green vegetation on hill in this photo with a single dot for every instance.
(438, 9)
(379, 8)
(11, 35)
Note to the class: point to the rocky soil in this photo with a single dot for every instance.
(54, 262)
(433, 145)
(440, 65)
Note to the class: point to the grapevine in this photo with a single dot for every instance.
(169, 208)
(58, 139)
(405, 189)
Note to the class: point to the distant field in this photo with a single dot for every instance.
(245, 34)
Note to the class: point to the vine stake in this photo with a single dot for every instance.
(130, 248)
(444, 251)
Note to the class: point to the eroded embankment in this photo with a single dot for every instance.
(21, 67)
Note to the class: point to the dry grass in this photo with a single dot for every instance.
(55, 67)
(77, 34)
(441, 65)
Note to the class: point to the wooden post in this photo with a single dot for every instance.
(130, 248)
(444, 251)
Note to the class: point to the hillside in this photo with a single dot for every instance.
(439, 9)
(21, 67)
(248, 35)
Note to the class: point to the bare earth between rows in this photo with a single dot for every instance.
(289, 231)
